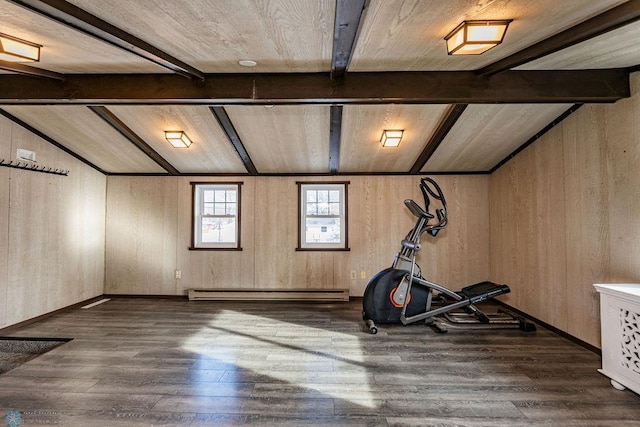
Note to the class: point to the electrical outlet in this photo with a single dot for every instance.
(353, 275)
(178, 274)
(363, 275)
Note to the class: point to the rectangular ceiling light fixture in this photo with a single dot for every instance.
(391, 138)
(177, 138)
(14, 49)
(476, 37)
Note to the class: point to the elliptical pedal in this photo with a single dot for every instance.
(484, 291)
(479, 314)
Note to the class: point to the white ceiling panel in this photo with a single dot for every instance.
(409, 35)
(280, 35)
(362, 126)
(211, 151)
(87, 135)
(486, 134)
(284, 139)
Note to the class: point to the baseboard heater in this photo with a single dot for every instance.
(269, 294)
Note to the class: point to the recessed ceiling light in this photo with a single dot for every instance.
(247, 63)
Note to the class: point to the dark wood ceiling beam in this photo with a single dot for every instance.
(335, 134)
(633, 69)
(346, 27)
(421, 87)
(72, 16)
(28, 70)
(227, 126)
(125, 131)
(447, 122)
(616, 17)
(49, 140)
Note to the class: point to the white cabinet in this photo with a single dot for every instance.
(620, 321)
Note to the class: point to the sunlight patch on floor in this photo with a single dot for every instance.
(296, 355)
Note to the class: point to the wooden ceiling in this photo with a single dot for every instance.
(331, 75)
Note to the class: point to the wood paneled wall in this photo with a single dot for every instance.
(149, 232)
(565, 214)
(51, 230)
(5, 175)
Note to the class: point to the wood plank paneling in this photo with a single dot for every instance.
(459, 255)
(142, 221)
(528, 230)
(84, 133)
(34, 230)
(54, 246)
(486, 134)
(5, 176)
(67, 51)
(56, 234)
(211, 151)
(276, 236)
(587, 173)
(595, 53)
(362, 126)
(297, 136)
(281, 35)
(378, 221)
(414, 30)
(622, 134)
(564, 215)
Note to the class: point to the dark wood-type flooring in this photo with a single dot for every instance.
(137, 361)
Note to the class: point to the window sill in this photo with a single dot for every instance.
(323, 249)
(191, 248)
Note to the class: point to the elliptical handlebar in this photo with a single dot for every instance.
(429, 187)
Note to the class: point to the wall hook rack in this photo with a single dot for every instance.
(33, 167)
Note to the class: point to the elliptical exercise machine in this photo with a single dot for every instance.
(400, 294)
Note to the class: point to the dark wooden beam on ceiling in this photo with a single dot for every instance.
(535, 137)
(227, 126)
(633, 69)
(125, 131)
(335, 133)
(417, 87)
(346, 26)
(616, 17)
(72, 16)
(28, 70)
(49, 140)
(447, 122)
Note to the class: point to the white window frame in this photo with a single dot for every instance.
(304, 187)
(198, 214)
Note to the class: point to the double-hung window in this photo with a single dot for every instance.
(216, 215)
(323, 216)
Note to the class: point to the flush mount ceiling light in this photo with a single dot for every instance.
(177, 138)
(17, 50)
(476, 37)
(391, 138)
